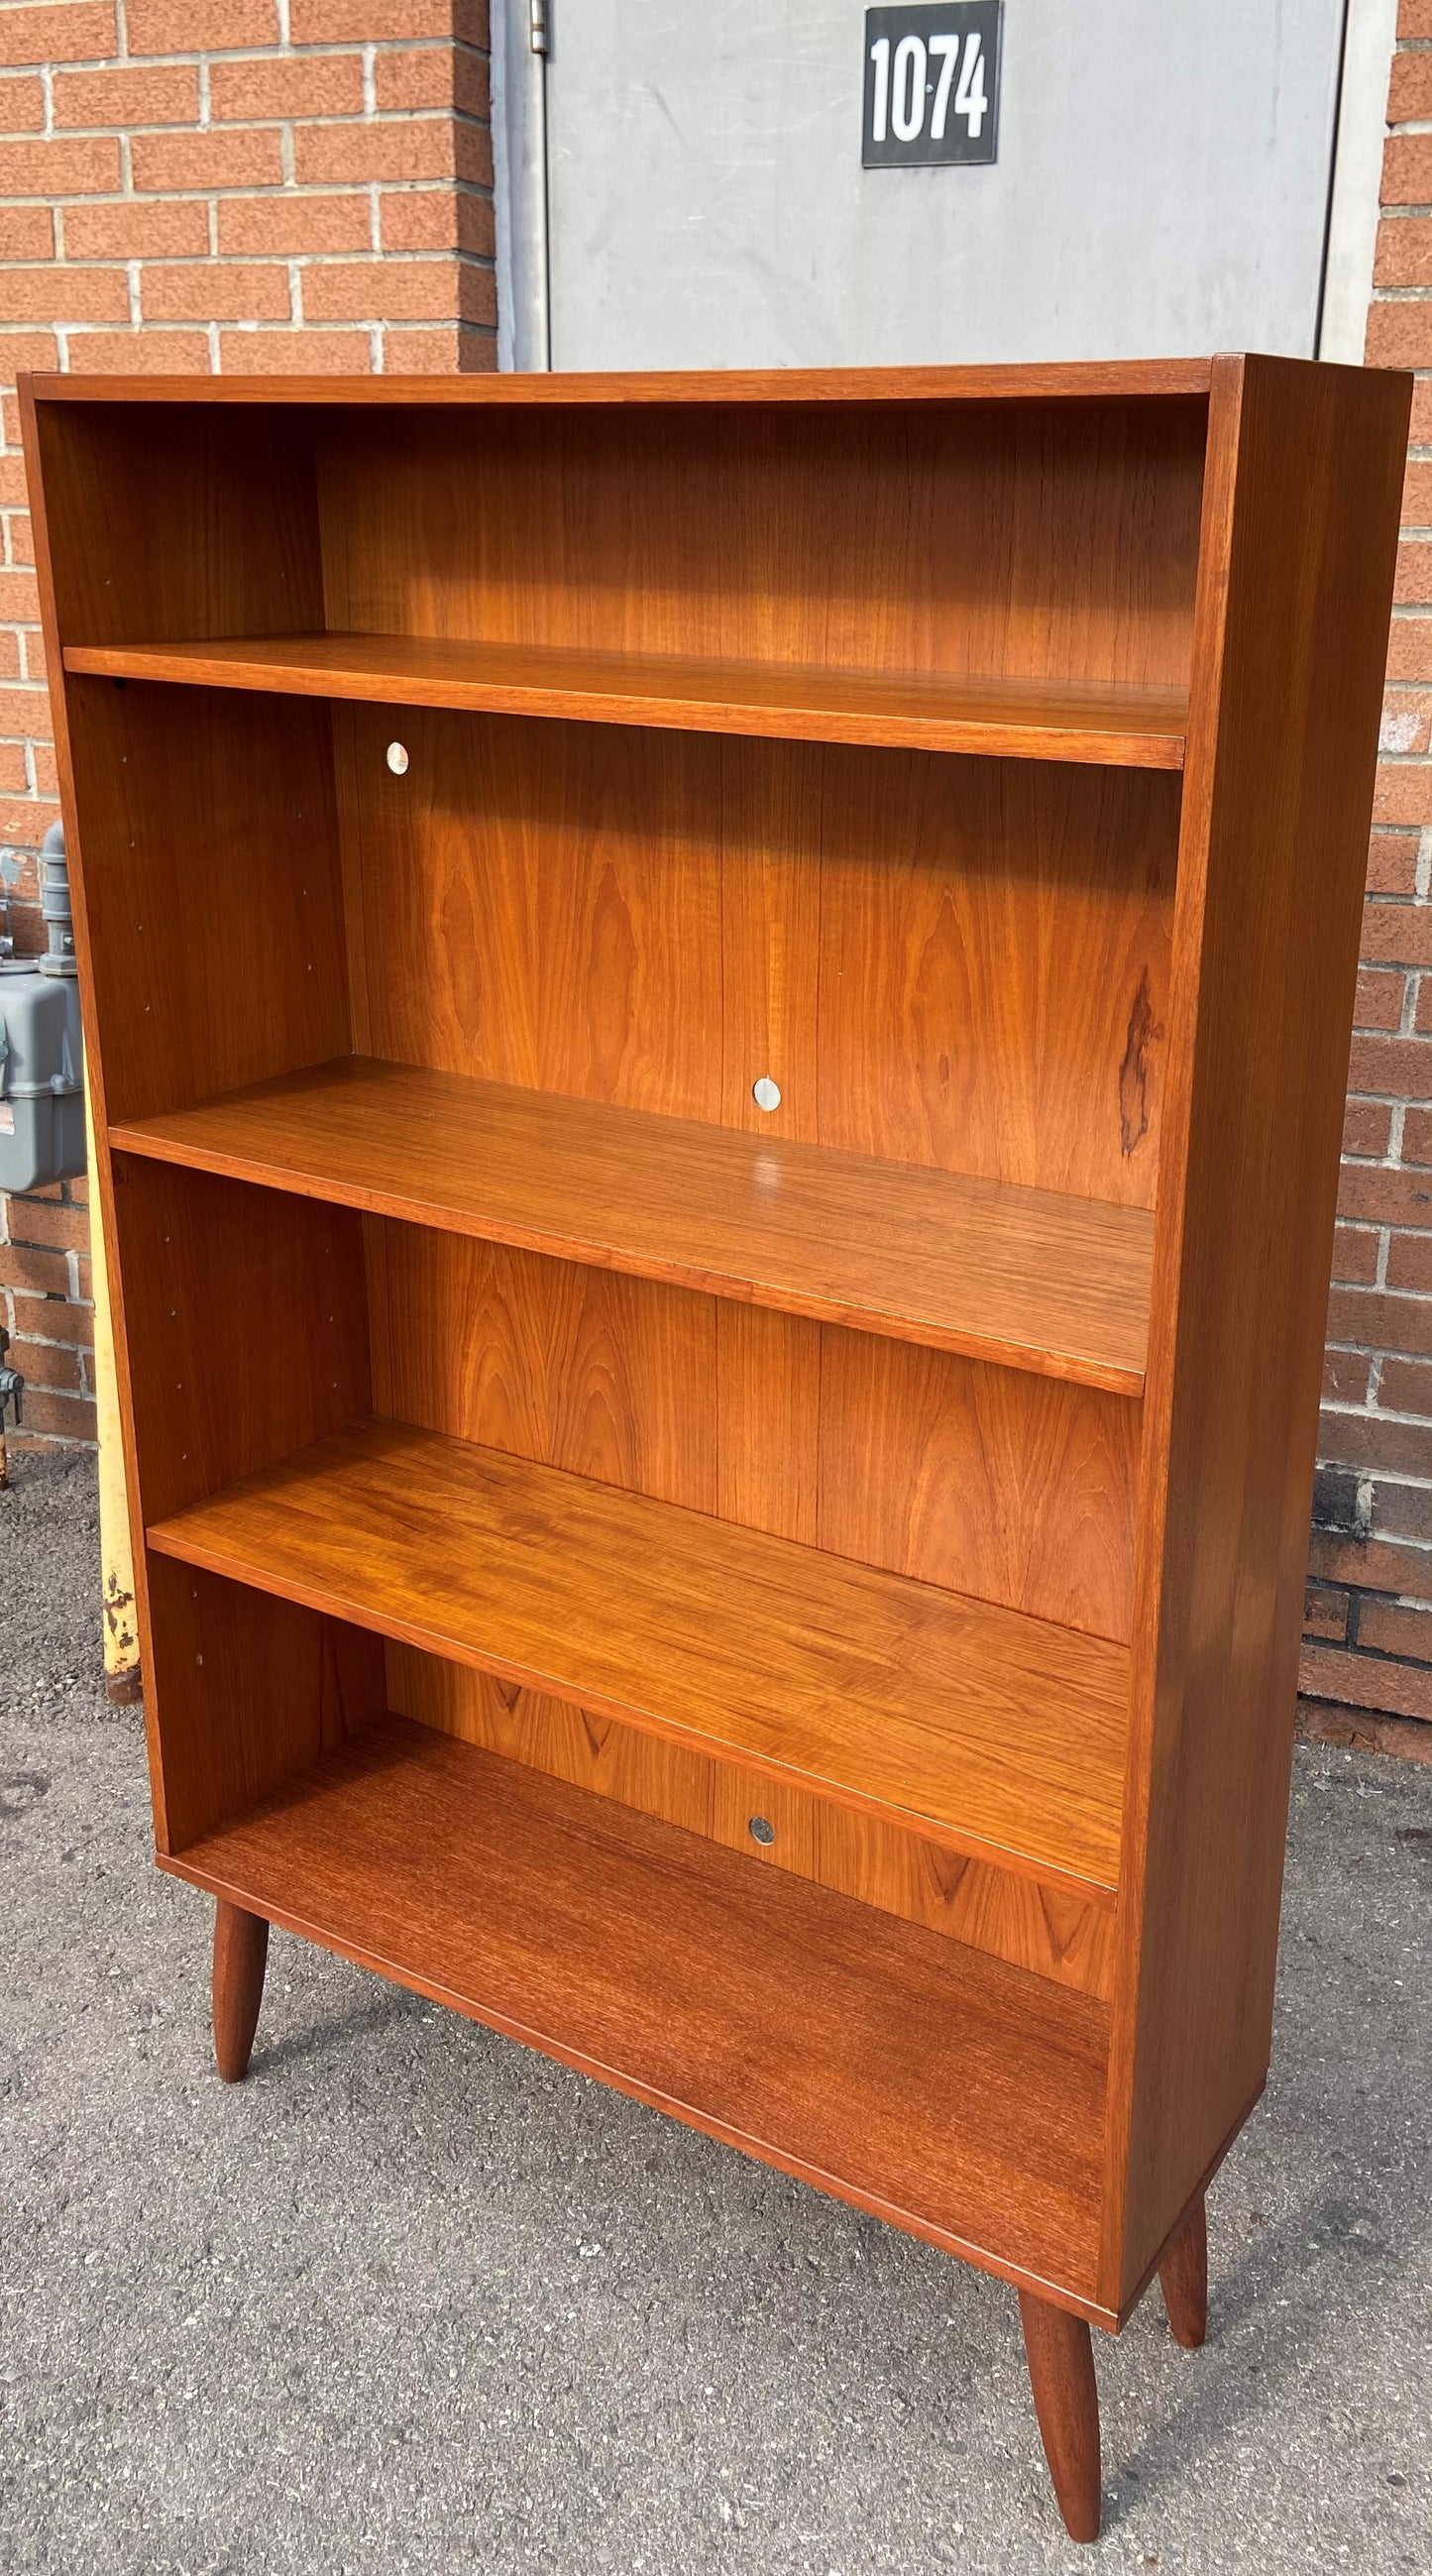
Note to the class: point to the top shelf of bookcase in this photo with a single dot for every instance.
(1112, 724)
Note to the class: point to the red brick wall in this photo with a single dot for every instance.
(1368, 1645)
(225, 187)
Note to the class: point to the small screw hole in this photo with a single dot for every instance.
(765, 1093)
(761, 1830)
(397, 758)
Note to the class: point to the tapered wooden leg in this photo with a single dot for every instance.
(1183, 2279)
(1066, 2401)
(240, 1956)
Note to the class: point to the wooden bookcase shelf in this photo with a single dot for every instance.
(1053, 1284)
(1029, 719)
(1000, 1735)
(524, 1902)
(717, 1010)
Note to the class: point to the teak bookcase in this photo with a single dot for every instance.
(792, 1611)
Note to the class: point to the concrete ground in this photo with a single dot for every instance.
(412, 2299)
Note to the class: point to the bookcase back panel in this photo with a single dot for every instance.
(1058, 539)
(994, 967)
(981, 1479)
(956, 963)
(1045, 1929)
(210, 888)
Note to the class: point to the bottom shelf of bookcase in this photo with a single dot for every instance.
(956, 2096)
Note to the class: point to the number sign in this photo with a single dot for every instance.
(931, 84)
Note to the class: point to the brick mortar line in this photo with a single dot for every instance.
(50, 1342)
(116, 267)
(1327, 1404)
(1331, 1408)
(1365, 1592)
(1374, 1476)
(1372, 1542)
(269, 191)
(1350, 1646)
(303, 192)
(188, 128)
(286, 50)
(191, 131)
(27, 1440)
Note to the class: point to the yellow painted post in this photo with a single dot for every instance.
(122, 1678)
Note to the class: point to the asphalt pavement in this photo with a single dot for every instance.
(414, 2302)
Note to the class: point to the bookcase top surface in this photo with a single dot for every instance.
(1115, 380)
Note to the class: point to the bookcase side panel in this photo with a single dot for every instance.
(246, 1337)
(1305, 475)
(247, 1326)
(179, 520)
(207, 907)
(206, 858)
(241, 1692)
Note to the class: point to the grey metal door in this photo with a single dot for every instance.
(1162, 187)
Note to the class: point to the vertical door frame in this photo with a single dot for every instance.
(520, 39)
(1369, 35)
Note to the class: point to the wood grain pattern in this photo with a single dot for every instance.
(627, 1381)
(213, 891)
(1134, 728)
(576, 1369)
(948, 2092)
(247, 1337)
(961, 963)
(980, 1479)
(542, 906)
(769, 821)
(1183, 2279)
(994, 969)
(1300, 534)
(241, 1691)
(688, 1506)
(1001, 1735)
(606, 1377)
(1066, 2401)
(250, 1336)
(1044, 1929)
(1057, 1285)
(768, 1423)
(1138, 380)
(240, 1957)
(1056, 542)
(177, 521)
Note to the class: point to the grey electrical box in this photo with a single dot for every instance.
(42, 1102)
